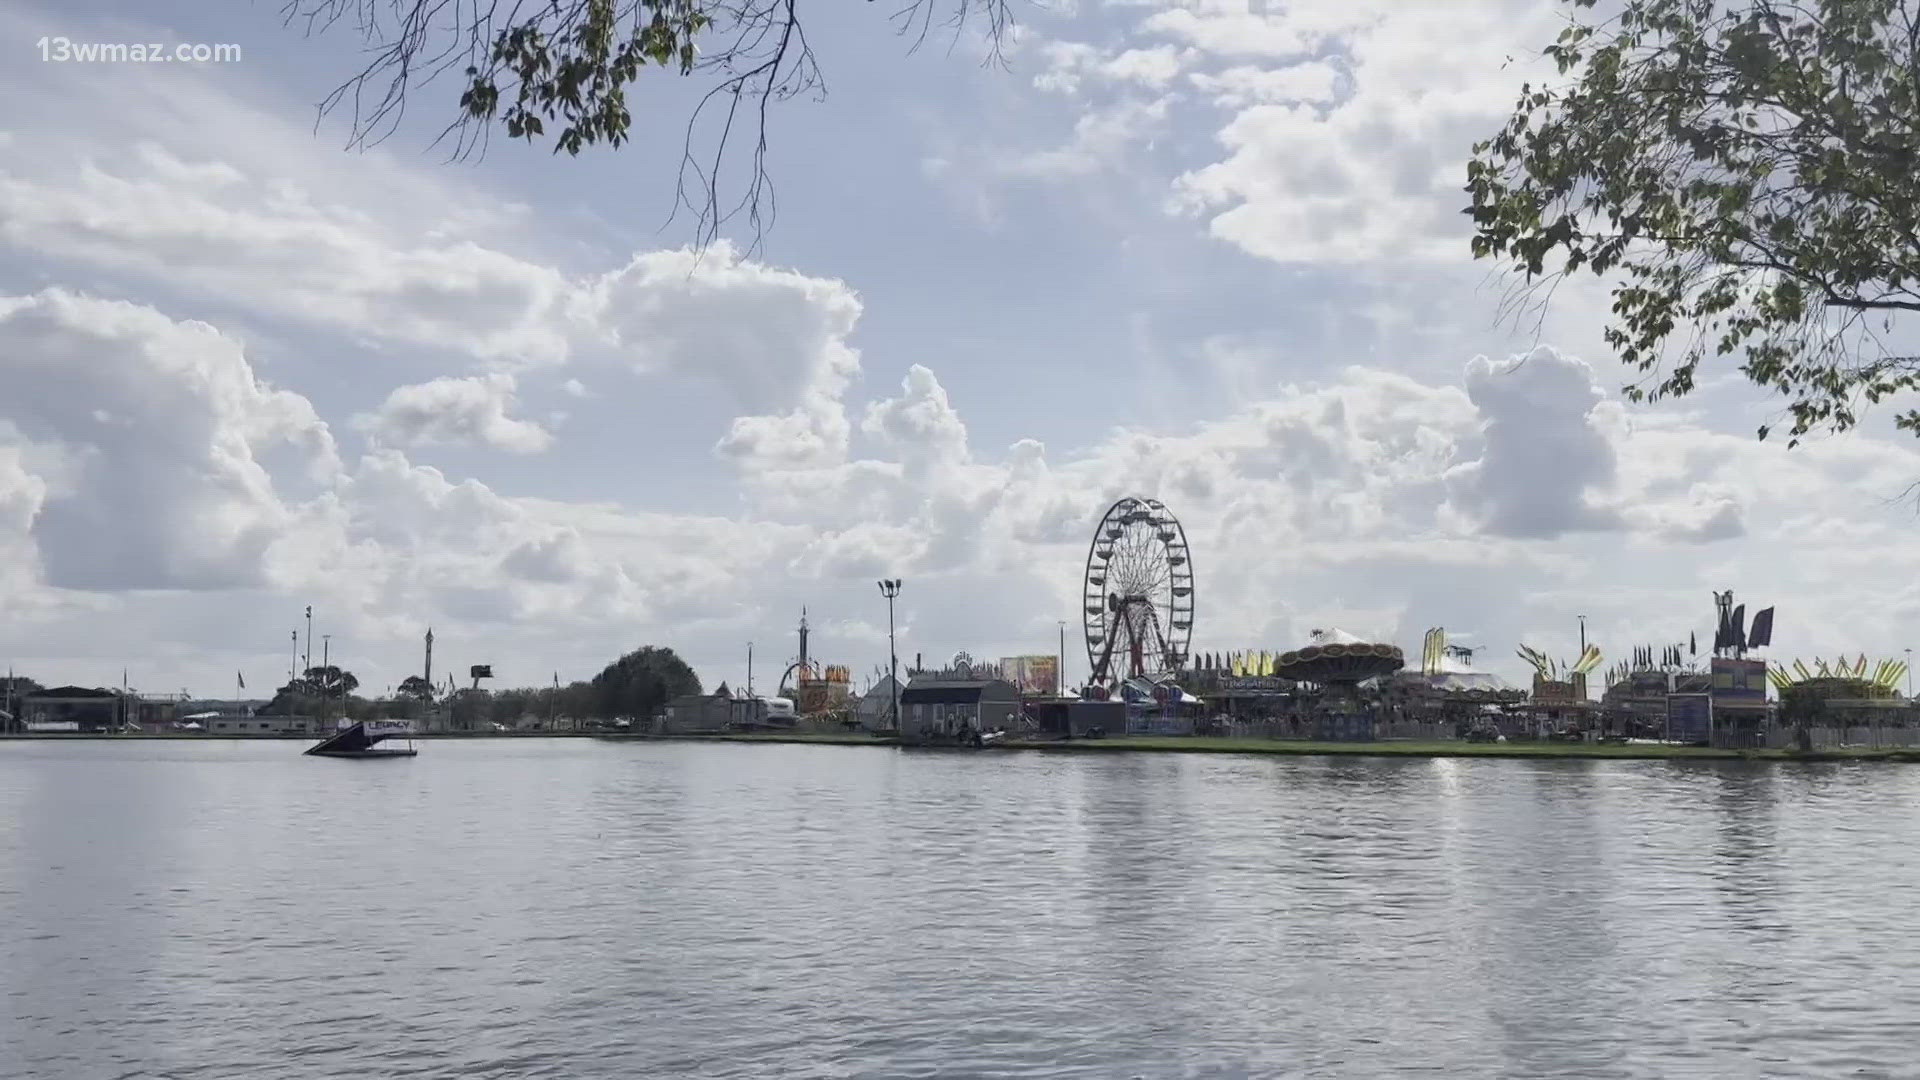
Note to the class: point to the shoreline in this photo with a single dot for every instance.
(1204, 744)
(1162, 744)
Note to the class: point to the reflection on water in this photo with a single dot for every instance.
(575, 909)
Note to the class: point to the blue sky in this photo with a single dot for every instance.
(1180, 250)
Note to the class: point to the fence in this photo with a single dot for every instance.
(1785, 736)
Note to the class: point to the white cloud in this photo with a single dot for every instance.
(162, 429)
(270, 242)
(455, 411)
(1315, 82)
(1101, 138)
(1547, 466)
(1349, 145)
(1072, 64)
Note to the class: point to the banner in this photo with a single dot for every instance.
(1032, 674)
(1689, 718)
(1739, 683)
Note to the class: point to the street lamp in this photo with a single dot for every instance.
(890, 588)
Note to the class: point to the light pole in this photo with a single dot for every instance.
(1583, 633)
(326, 641)
(1060, 663)
(890, 588)
(1909, 673)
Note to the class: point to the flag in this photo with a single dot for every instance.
(1693, 642)
(241, 679)
(1737, 629)
(1762, 633)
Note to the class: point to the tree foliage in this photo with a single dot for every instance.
(1746, 174)
(641, 683)
(415, 688)
(15, 687)
(560, 70)
(304, 694)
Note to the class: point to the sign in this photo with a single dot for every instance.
(1254, 684)
(1032, 674)
(1344, 727)
(1690, 718)
(1739, 684)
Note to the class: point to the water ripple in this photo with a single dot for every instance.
(584, 910)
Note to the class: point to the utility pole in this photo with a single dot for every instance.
(890, 588)
(293, 662)
(1060, 663)
(1909, 673)
(325, 641)
(1583, 633)
(309, 660)
(749, 669)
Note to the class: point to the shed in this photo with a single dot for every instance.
(695, 714)
(953, 708)
(1069, 717)
(91, 709)
(874, 710)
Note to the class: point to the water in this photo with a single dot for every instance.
(579, 909)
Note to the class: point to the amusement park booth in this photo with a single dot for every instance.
(1557, 705)
(1159, 707)
(1076, 718)
(933, 710)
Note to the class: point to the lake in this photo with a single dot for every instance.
(583, 909)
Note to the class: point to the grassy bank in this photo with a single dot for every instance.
(1409, 748)
(1455, 749)
(825, 738)
(1175, 745)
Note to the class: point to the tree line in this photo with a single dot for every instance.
(637, 685)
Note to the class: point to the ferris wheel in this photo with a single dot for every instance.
(1137, 595)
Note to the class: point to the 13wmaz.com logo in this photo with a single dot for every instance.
(62, 50)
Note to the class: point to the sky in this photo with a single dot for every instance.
(1206, 252)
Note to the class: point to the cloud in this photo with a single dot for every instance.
(1547, 464)
(455, 412)
(1070, 64)
(1315, 81)
(1101, 138)
(921, 422)
(1351, 147)
(161, 431)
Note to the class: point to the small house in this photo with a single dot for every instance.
(945, 709)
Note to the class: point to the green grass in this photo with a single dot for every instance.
(1436, 748)
(831, 738)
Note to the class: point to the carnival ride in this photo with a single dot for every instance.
(1339, 662)
(810, 686)
(1447, 670)
(1554, 680)
(1882, 679)
(1137, 594)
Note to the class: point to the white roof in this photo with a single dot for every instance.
(1336, 636)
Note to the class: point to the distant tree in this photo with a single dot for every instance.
(641, 683)
(468, 708)
(15, 687)
(1747, 171)
(413, 686)
(327, 686)
(568, 64)
(332, 681)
